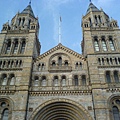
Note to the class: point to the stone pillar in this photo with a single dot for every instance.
(4, 47)
(100, 43)
(19, 46)
(21, 22)
(112, 76)
(92, 19)
(12, 46)
(115, 44)
(107, 43)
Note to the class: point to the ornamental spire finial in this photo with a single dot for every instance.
(30, 2)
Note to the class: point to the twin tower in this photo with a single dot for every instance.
(60, 84)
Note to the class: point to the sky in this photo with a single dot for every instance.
(49, 12)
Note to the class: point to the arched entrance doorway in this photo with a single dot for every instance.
(61, 110)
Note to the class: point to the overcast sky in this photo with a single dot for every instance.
(49, 11)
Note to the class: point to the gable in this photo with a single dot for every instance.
(60, 59)
(60, 48)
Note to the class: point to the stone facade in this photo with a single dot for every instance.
(60, 84)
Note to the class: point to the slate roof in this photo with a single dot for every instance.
(93, 8)
(28, 10)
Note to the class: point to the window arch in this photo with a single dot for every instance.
(20, 63)
(99, 61)
(55, 81)
(12, 79)
(29, 23)
(39, 67)
(15, 47)
(4, 79)
(116, 77)
(53, 63)
(42, 66)
(108, 78)
(60, 61)
(111, 44)
(23, 47)
(5, 109)
(116, 113)
(8, 64)
(96, 19)
(66, 63)
(5, 114)
(19, 21)
(103, 61)
(75, 82)
(8, 47)
(43, 81)
(83, 80)
(63, 81)
(90, 22)
(108, 62)
(80, 66)
(111, 61)
(100, 19)
(96, 45)
(104, 45)
(23, 22)
(116, 62)
(76, 65)
(36, 81)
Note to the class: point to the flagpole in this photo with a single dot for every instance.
(60, 20)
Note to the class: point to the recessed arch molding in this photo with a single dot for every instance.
(60, 109)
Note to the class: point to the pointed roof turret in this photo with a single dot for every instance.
(92, 7)
(28, 10)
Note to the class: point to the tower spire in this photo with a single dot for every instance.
(90, 1)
